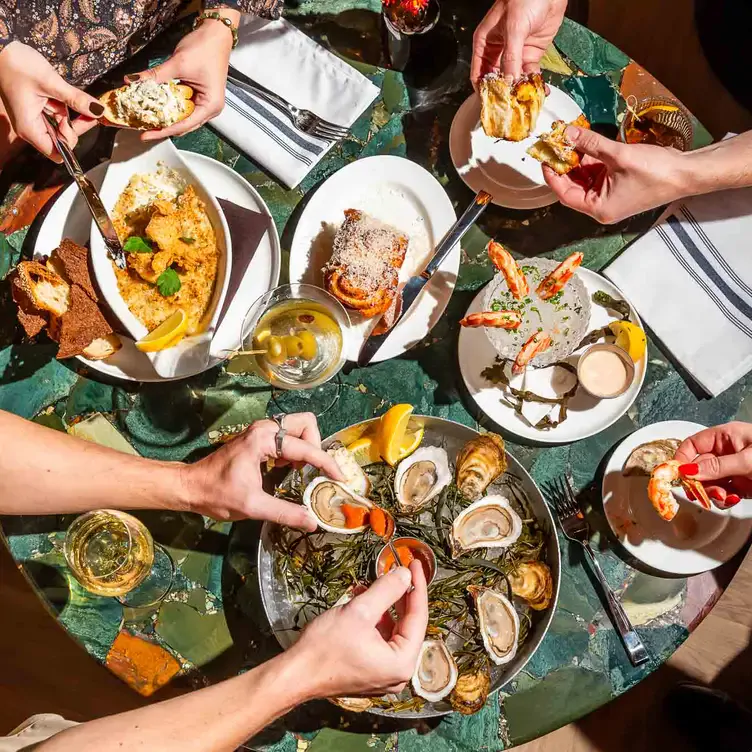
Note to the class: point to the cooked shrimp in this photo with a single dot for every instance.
(494, 319)
(663, 479)
(537, 344)
(505, 263)
(559, 277)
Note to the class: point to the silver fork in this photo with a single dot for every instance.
(575, 527)
(304, 120)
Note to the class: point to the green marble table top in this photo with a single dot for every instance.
(212, 624)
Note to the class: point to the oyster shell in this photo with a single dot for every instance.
(325, 497)
(421, 477)
(436, 672)
(533, 582)
(498, 623)
(489, 522)
(353, 704)
(354, 477)
(471, 691)
(646, 457)
(479, 463)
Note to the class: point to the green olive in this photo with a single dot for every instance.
(276, 352)
(309, 346)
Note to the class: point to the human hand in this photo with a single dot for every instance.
(514, 35)
(227, 484)
(720, 457)
(30, 86)
(616, 180)
(200, 60)
(358, 649)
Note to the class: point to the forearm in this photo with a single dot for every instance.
(43, 471)
(263, 8)
(215, 719)
(727, 164)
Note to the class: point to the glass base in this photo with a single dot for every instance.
(318, 400)
(156, 585)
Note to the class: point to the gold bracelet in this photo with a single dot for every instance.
(216, 17)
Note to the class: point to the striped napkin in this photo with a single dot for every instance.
(280, 57)
(690, 279)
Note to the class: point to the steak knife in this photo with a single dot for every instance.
(414, 285)
(91, 196)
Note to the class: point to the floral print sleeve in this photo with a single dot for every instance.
(83, 39)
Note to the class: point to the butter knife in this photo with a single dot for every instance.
(414, 285)
(91, 196)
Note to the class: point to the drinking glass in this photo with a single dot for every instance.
(112, 553)
(295, 338)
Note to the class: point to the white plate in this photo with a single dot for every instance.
(403, 194)
(587, 415)
(69, 218)
(695, 540)
(503, 168)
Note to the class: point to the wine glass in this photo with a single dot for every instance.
(112, 553)
(295, 337)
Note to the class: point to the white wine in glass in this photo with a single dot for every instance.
(109, 552)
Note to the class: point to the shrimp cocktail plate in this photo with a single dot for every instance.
(457, 502)
(550, 350)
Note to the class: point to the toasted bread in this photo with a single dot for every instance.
(31, 318)
(555, 150)
(123, 110)
(81, 324)
(510, 111)
(71, 262)
(102, 348)
(46, 290)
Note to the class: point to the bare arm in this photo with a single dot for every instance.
(47, 472)
(351, 650)
(727, 164)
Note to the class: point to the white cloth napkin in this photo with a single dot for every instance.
(690, 279)
(280, 57)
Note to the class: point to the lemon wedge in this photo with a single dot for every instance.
(365, 450)
(629, 337)
(167, 334)
(398, 435)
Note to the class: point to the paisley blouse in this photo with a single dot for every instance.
(83, 39)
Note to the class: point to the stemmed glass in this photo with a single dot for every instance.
(295, 337)
(112, 553)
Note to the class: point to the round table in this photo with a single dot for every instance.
(212, 625)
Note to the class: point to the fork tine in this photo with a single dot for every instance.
(572, 498)
(326, 131)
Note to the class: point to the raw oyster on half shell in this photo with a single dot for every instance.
(498, 623)
(353, 704)
(421, 477)
(489, 522)
(533, 582)
(646, 457)
(354, 477)
(479, 463)
(471, 691)
(325, 497)
(436, 672)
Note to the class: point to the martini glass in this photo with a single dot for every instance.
(295, 339)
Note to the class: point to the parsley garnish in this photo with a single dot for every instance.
(168, 282)
(190, 241)
(136, 244)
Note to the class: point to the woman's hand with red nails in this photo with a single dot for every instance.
(720, 457)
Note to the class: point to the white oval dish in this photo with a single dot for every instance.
(131, 156)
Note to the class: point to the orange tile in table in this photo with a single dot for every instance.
(142, 665)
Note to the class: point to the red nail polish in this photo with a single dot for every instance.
(716, 495)
(731, 501)
(691, 468)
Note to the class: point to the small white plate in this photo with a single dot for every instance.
(403, 194)
(69, 218)
(695, 540)
(503, 168)
(587, 415)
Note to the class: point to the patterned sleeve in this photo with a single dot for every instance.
(6, 25)
(263, 8)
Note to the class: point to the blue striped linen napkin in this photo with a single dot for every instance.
(690, 279)
(280, 57)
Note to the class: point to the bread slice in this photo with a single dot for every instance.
(71, 262)
(555, 149)
(45, 289)
(147, 105)
(103, 347)
(81, 324)
(510, 111)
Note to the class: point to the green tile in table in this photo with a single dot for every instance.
(592, 54)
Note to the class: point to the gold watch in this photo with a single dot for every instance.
(214, 16)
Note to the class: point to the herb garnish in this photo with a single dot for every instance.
(137, 244)
(168, 282)
(189, 241)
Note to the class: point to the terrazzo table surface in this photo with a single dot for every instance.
(212, 624)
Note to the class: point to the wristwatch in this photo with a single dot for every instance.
(214, 16)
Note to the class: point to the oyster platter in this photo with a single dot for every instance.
(456, 501)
